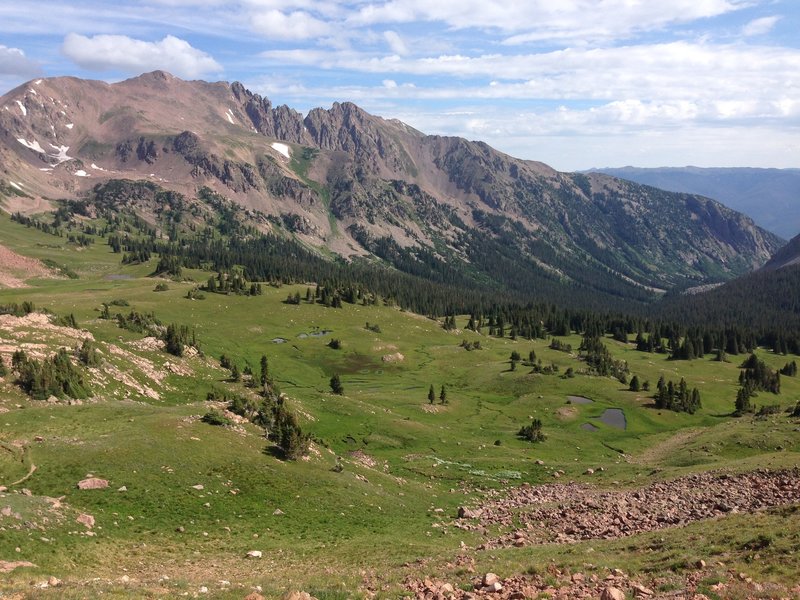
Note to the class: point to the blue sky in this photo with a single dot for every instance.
(573, 83)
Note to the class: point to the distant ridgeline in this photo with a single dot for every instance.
(211, 233)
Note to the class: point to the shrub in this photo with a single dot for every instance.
(214, 417)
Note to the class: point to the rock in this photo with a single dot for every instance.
(577, 578)
(640, 591)
(92, 483)
(396, 357)
(490, 578)
(254, 596)
(296, 595)
(122, 489)
(617, 573)
(277, 511)
(124, 579)
(493, 588)
(254, 554)
(700, 564)
(469, 513)
(38, 438)
(53, 581)
(612, 593)
(203, 589)
(85, 520)
(447, 588)
(590, 471)
(180, 529)
(8, 566)
(199, 486)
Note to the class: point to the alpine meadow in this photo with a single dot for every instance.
(247, 352)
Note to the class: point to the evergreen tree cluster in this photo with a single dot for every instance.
(53, 376)
(233, 283)
(532, 432)
(599, 359)
(677, 398)
(756, 375)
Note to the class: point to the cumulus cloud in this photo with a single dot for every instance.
(120, 52)
(298, 25)
(14, 62)
(760, 26)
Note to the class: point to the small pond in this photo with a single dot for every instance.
(279, 340)
(589, 427)
(578, 400)
(614, 417)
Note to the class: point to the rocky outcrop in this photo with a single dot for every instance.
(570, 512)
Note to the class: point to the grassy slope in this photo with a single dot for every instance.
(340, 529)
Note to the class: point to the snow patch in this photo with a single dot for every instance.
(22, 108)
(62, 154)
(96, 168)
(34, 145)
(282, 148)
(229, 114)
(16, 185)
(70, 125)
(46, 169)
(38, 81)
(33, 91)
(81, 173)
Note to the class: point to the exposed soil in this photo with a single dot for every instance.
(15, 269)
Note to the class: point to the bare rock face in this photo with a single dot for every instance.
(92, 483)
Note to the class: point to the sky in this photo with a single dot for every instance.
(573, 83)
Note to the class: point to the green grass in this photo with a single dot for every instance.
(339, 528)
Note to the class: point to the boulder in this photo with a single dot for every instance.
(85, 520)
(490, 578)
(612, 593)
(254, 596)
(254, 554)
(296, 595)
(92, 483)
(469, 513)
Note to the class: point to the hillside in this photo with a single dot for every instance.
(398, 494)
(358, 185)
(769, 196)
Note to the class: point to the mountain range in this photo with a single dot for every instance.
(346, 182)
(770, 196)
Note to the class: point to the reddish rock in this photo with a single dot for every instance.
(612, 593)
(86, 520)
(92, 483)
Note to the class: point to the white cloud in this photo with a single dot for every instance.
(760, 26)
(110, 52)
(298, 25)
(546, 19)
(14, 62)
(396, 43)
(681, 71)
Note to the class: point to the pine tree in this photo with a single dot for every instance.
(443, 395)
(264, 375)
(635, 386)
(431, 395)
(336, 385)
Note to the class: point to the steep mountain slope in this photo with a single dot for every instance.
(362, 185)
(770, 196)
(787, 256)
